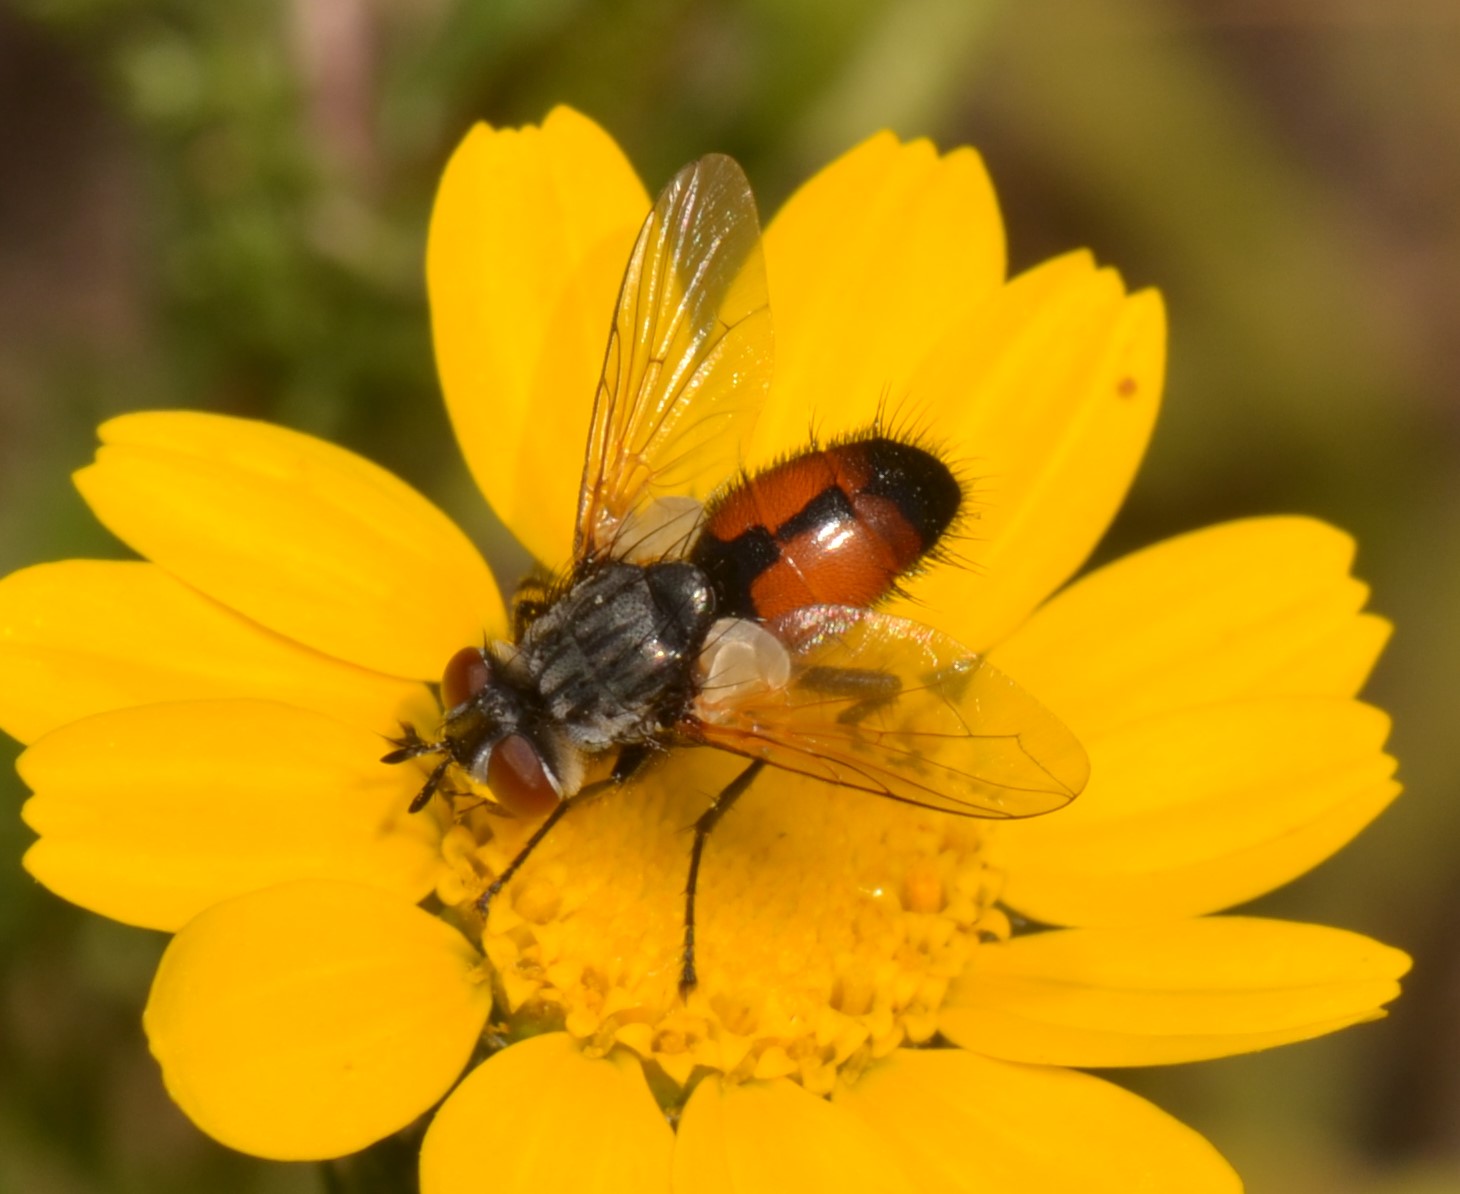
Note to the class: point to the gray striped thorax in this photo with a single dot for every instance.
(612, 661)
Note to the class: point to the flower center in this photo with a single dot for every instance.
(828, 922)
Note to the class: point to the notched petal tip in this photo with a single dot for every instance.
(1253, 608)
(870, 263)
(1050, 392)
(1202, 809)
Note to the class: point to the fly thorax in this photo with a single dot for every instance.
(612, 661)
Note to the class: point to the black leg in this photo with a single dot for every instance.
(688, 979)
(630, 759)
(873, 689)
(501, 881)
(410, 745)
(433, 781)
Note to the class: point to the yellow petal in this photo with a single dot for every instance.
(88, 636)
(306, 538)
(1158, 994)
(1198, 810)
(309, 1020)
(1045, 402)
(150, 815)
(529, 238)
(869, 264)
(964, 1124)
(1339, 662)
(539, 1116)
(773, 1137)
(1260, 607)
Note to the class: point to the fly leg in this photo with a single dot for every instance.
(630, 759)
(871, 689)
(410, 745)
(732, 792)
(485, 899)
(433, 781)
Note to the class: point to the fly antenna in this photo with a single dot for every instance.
(410, 745)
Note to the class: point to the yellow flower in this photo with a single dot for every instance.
(204, 730)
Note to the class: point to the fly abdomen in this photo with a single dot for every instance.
(832, 526)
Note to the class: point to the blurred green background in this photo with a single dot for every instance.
(224, 206)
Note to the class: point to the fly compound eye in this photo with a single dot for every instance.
(518, 779)
(467, 673)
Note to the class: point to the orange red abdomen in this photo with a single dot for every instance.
(833, 526)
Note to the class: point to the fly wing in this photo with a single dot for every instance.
(889, 706)
(689, 353)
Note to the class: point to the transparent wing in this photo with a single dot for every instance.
(893, 707)
(689, 353)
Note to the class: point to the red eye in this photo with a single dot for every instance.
(467, 673)
(519, 780)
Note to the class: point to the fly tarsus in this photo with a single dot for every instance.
(433, 781)
(868, 688)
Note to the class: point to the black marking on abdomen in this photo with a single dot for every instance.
(922, 487)
(831, 505)
(733, 565)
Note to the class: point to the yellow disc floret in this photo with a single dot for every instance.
(828, 922)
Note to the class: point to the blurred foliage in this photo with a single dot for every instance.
(224, 206)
